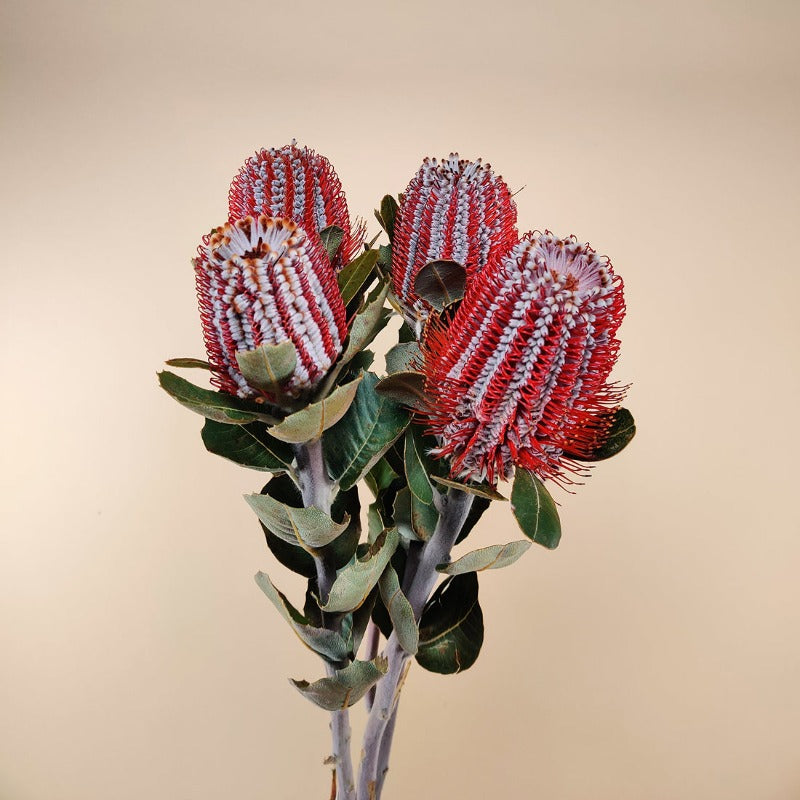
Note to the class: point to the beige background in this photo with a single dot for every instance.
(655, 655)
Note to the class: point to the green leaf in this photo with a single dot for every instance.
(327, 643)
(403, 357)
(451, 628)
(535, 510)
(346, 686)
(355, 581)
(362, 436)
(355, 274)
(494, 557)
(384, 257)
(441, 283)
(188, 363)
(311, 528)
(616, 439)
(248, 445)
(414, 519)
(479, 489)
(367, 324)
(339, 552)
(268, 366)
(416, 474)
(331, 239)
(400, 611)
(218, 406)
(380, 477)
(388, 214)
(310, 422)
(405, 388)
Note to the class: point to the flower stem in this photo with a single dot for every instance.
(317, 490)
(453, 511)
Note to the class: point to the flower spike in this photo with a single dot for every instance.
(453, 210)
(266, 281)
(299, 184)
(521, 374)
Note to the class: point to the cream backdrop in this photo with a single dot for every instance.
(655, 655)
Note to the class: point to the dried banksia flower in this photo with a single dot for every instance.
(454, 210)
(265, 281)
(299, 184)
(521, 374)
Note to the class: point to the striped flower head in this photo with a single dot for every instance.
(299, 184)
(452, 210)
(265, 281)
(521, 374)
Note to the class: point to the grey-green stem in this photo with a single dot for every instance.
(453, 511)
(317, 490)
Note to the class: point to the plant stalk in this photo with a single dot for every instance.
(453, 511)
(317, 491)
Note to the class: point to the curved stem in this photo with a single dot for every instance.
(317, 490)
(453, 511)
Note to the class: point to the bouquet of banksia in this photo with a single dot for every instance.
(501, 374)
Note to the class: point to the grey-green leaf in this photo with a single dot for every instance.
(346, 686)
(309, 423)
(188, 363)
(441, 283)
(368, 323)
(405, 388)
(331, 239)
(388, 214)
(268, 366)
(416, 474)
(451, 628)
(308, 527)
(327, 643)
(535, 510)
(493, 557)
(616, 439)
(403, 357)
(355, 581)
(400, 611)
(353, 276)
(370, 426)
(219, 406)
(479, 489)
(249, 445)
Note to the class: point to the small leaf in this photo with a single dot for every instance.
(331, 239)
(415, 520)
(380, 477)
(416, 474)
(219, 406)
(384, 257)
(388, 213)
(405, 388)
(441, 283)
(451, 627)
(346, 686)
(188, 363)
(494, 557)
(403, 357)
(311, 528)
(617, 437)
(355, 581)
(479, 489)
(268, 366)
(309, 423)
(327, 643)
(249, 445)
(367, 324)
(355, 274)
(535, 510)
(370, 426)
(400, 611)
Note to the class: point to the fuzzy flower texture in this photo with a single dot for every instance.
(519, 376)
(265, 277)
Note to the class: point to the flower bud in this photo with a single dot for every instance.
(299, 184)
(454, 210)
(266, 281)
(522, 372)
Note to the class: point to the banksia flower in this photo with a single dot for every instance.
(521, 374)
(452, 210)
(299, 184)
(265, 281)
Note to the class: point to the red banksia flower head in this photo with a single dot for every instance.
(454, 210)
(521, 374)
(265, 281)
(299, 184)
